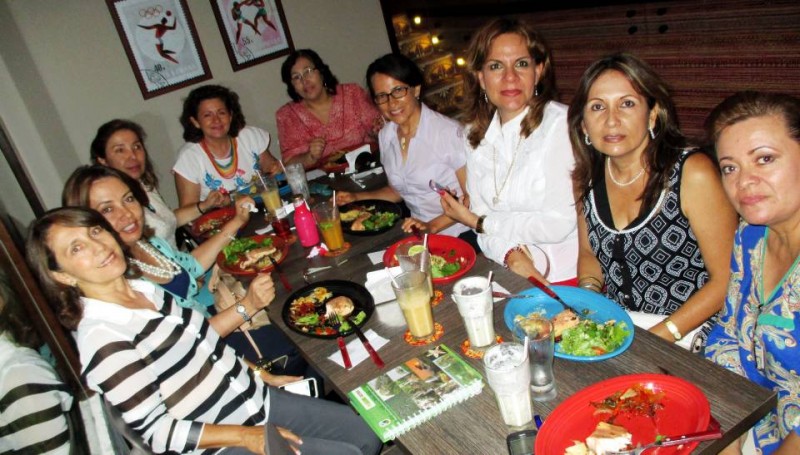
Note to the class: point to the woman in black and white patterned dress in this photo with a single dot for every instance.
(656, 230)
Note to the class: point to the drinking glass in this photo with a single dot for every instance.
(330, 225)
(541, 350)
(269, 194)
(473, 296)
(412, 293)
(414, 256)
(296, 176)
(509, 377)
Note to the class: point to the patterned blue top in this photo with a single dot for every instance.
(189, 264)
(771, 358)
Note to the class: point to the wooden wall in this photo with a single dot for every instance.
(705, 50)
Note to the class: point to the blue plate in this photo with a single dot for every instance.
(600, 309)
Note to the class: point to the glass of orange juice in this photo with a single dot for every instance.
(270, 195)
(414, 298)
(330, 225)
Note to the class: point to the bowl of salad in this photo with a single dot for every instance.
(451, 257)
(602, 330)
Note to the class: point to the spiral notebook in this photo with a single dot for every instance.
(416, 391)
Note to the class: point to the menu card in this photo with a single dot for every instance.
(416, 391)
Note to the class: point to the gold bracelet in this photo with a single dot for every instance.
(590, 278)
(591, 287)
(673, 329)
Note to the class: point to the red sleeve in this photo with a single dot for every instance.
(291, 135)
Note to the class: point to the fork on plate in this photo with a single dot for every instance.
(336, 319)
(673, 441)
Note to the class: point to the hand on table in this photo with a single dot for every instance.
(408, 224)
(522, 264)
(344, 197)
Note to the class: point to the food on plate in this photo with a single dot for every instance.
(250, 254)
(583, 337)
(367, 218)
(567, 319)
(636, 400)
(309, 313)
(606, 439)
(341, 305)
(445, 266)
(212, 226)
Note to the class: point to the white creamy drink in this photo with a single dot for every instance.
(473, 296)
(509, 377)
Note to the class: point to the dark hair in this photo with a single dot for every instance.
(42, 260)
(77, 190)
(108, 129)
(329, 81)
(208, 92)
(661, 153)
(477, 112)
(13, 319)
(742, 106)
(396, 66)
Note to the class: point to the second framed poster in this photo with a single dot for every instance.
(254, 31)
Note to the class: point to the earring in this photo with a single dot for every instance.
(485, 98)
(536, 91)
(652, 133)
(586, 140)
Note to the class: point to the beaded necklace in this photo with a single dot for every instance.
(225, 171)
(165, 269)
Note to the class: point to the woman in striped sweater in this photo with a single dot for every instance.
(165, 368)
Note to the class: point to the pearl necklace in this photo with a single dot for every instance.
(165, 269)
(629, 182)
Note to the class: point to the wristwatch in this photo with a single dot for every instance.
(242, 311)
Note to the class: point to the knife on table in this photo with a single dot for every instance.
(283, 279)
(376, 359)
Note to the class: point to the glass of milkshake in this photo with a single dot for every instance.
(509, 377)
(473, 296)
(414, 298)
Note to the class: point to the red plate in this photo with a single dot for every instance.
(686, 410)
(222, 215)
(234, 269)
(440, 245)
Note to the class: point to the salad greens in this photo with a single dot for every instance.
(441, 268)
(234, 249)
(357, 319)
(590, 338)
(379, 220)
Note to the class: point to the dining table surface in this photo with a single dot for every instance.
(475, 425)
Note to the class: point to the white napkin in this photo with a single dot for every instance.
(647, 320)
(379, 284)
(356, 349)
(376, 257)
(352, 155)
(311, 175)
(264, 230)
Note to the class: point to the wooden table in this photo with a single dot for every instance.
(476, 426)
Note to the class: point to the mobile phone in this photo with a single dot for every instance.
(521, 442)
(306, 387)
(440, 189)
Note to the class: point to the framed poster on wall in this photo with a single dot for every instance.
(161, 43)
(254, 31)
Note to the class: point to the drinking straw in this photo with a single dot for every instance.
(282, 166)
(526, 344)
(489, 278)
(260, 177)
(333, 200)
(425, 241)
(396, 284)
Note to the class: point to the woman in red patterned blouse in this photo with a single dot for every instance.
(324, 117)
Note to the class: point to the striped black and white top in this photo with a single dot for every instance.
(167, 371)
(33, 403)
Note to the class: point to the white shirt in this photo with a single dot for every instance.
(535, 206)
(194, 165)
(162, 219)
(31, 393)
(434, 153)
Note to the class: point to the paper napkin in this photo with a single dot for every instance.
(356, 350)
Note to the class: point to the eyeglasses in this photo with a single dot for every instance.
(299, 77)
(397, 93)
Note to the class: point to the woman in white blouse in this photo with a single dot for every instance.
(519, 157)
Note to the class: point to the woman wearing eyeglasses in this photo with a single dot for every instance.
(324, 117)
(417, 145)
(757, 144)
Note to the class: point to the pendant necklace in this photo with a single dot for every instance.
(497, 191)
(165, 269)
(629, 182)
(226, 171)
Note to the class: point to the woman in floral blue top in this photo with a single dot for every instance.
(757, 139)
